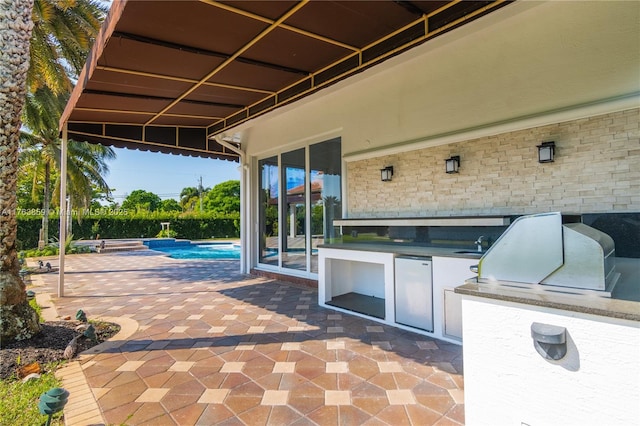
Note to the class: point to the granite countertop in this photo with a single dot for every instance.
(539, 296)
(407, 250)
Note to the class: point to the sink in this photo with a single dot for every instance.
(469, 252)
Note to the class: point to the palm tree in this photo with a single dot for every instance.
(40, 158)
(190, 196)
(59, 42)
(17, 320)
(41, 113)
(62, 36)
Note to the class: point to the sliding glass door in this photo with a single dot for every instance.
(300, 196)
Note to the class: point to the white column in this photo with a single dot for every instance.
(244, 217)
(292, 220)
(63, 205)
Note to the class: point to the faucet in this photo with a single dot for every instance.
(479, 241)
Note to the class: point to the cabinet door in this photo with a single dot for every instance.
(449, 273)
(452, 314)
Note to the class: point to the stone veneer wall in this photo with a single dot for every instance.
(596, 169)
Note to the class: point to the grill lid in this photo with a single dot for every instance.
(538, 249)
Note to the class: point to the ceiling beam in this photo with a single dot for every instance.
(161, 98)
(233, 57)
(199, 51)
(181, 79)
(283, 25)
(117, 111)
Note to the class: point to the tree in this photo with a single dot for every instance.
(100, 197)
(170, 205)
(57, 45)
(189, 198)
(63, 33)
(224, 198)
(41, 159)
(141, 200)
(17, 320)
(25, 191)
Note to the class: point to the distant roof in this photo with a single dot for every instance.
(168, 75)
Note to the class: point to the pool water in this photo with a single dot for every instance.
(202, 251)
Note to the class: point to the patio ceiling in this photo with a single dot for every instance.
(168, 75)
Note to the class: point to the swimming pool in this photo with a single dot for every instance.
(189, 250)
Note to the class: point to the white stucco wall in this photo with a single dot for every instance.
(508, 383)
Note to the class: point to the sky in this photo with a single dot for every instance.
(164, 174)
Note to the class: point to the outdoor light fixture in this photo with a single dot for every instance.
(452, 164)
(52, 402)
(546, 152)
(386, 174)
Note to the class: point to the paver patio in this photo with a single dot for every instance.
(214, 347)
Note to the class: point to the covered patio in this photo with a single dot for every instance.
(179, 76)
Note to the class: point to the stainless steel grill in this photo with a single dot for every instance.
(539, 249)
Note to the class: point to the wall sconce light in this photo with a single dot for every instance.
(386, 174)
(546, 152)
(452, 164)
(549, 340)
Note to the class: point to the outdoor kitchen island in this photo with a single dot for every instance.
(402, 272)
(551, 321)
(570, 351)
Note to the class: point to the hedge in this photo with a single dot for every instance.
(107, 227)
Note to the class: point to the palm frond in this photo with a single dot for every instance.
(62, 35)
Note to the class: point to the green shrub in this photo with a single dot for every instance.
(52, 249)
(167, 233)
(105, 226)
(36, 308)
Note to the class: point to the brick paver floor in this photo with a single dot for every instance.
(215, 347)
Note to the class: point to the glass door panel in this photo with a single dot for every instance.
(268, 199)
(293, 215)
(325, 162)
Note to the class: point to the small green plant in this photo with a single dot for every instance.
(36, 308)
(95, 229)
(52, 249)
(167, 233)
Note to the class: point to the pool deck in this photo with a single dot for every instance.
(202, 344)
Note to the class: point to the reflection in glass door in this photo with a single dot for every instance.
(294, 213)
(325, 163)
(268, 198)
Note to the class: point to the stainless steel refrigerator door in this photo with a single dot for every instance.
(414, 292)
